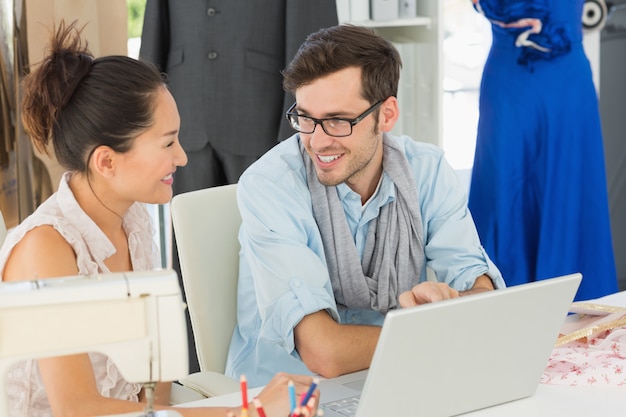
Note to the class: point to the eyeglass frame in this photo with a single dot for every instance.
(320, 122)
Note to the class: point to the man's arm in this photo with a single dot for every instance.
(331, 349)
(483, 283)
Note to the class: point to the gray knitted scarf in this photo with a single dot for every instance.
(393, 258)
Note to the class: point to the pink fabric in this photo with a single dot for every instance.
(600, 362)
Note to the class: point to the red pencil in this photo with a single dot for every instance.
(310, 404)
(244, 396)
(259, 407)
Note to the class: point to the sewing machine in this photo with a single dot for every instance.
(136, 318)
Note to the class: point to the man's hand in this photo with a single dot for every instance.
(430, 292)
(427, 292)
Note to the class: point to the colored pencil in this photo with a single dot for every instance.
(259, 407)
(292, 396)
(244, 396)
(308, 394)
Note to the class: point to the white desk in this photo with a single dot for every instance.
(228, 400)
(563, 401)
(548, 401)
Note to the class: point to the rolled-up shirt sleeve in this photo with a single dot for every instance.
(283, 275)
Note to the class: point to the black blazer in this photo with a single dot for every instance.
(223, 60)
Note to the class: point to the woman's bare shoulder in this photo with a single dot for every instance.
(41, 253)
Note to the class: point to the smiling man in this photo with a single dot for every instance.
(341, 220)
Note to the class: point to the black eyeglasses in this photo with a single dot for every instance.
(333, 126)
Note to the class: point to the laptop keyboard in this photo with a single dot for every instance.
(345, 406)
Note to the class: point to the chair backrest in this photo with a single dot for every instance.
(206, 224)
(3, 229)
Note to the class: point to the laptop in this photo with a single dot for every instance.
(456, 356)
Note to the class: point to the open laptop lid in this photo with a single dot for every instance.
(460, 355)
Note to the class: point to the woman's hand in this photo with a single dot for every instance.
(275, 395)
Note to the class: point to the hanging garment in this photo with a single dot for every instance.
(538, 192)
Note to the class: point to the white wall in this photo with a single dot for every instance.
(591, 42)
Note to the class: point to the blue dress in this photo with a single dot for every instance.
(538, 191)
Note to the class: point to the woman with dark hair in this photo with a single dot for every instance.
(113, 126)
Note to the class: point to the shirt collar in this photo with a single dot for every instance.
(135, 223)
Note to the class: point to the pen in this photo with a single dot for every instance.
(308, 394)
(244, 396)
(292, 396)
(259, 407)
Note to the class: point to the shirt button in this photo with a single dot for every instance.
(211, 12)
(212, 55)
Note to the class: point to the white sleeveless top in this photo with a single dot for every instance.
(25, 390)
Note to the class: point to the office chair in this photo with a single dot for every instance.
(206, 224)
(3, 229)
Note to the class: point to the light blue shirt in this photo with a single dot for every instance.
(282, 270)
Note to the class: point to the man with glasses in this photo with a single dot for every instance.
(341, 220)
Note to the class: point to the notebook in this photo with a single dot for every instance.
(457, 356)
